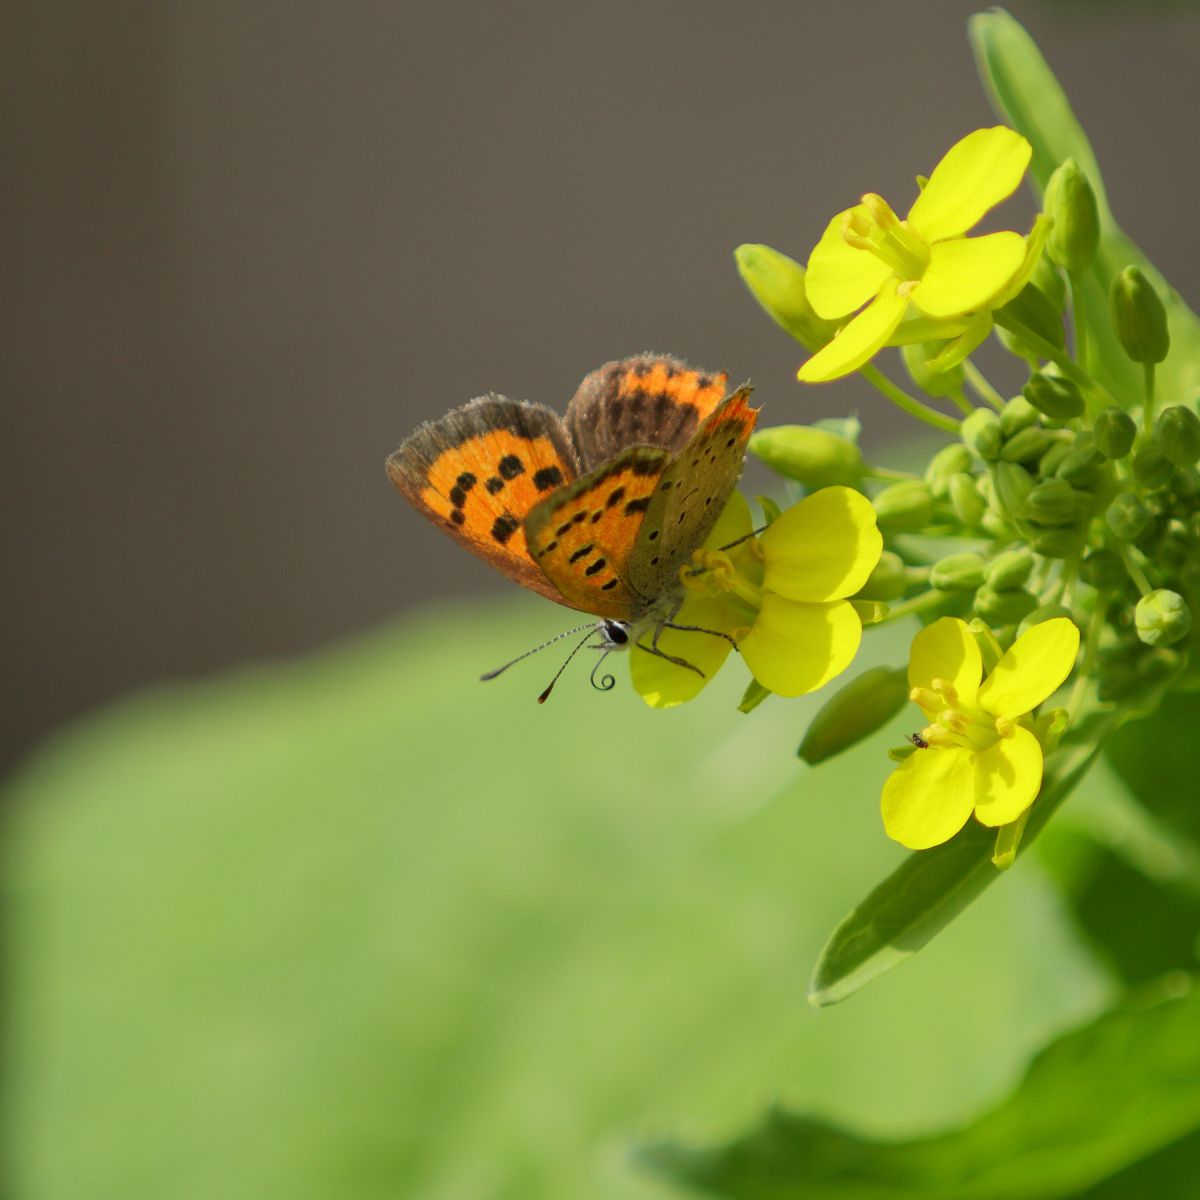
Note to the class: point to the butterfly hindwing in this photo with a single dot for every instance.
(690, 495)
(648, 400)
(480, 470)
(583, 535)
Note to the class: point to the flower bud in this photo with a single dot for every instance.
(1177, 435)
(1127, 516)
(1071, 202)
(949, 461)
(855, 711)
(1060, 399)
(1114, 432)
(1055, 543)
(813, 457)
(1104, 570)
(1051, 460)
(1004, 608)
(1012, 485)
(1016, 415)
(1009, 569)
(777, 283)
(1083, 466)
(981, 434)
(917, 356)
(1055, 502)
(1152, 468)
(888, 581)
(989, 648)
(1047, 278)
(1138, 317)
(1033, 308)
(1027, 445)
(966, 501)
(1162, 618)
(957, 573)
(904, 506)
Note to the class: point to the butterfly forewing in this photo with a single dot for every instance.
(582, 536)
(649, 400)
(690, 496)
(480, 470)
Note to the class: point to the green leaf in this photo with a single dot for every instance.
(1024, 91)
(932, 887)
(1091, 1104)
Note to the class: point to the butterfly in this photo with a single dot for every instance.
(598, 511)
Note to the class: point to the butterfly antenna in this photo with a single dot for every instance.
(605, 683)
(550, 642)
(550, 686)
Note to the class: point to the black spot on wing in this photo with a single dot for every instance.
(596, 567)
(637, 506)
(511, 466)
(494, 485)
(615, 498)
(547, 478)
(582, 552)
(504, 527)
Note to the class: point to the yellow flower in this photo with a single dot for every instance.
(868, 254)
(979, 758)
(781, 596)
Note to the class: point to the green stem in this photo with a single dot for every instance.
(1148, 400)
(1134, 568)
(1076, 282)
(964, 405)
(872, 472)
(916, 604)
(1064, 362)
(912, 406)
(1091, 647)
(980, 386)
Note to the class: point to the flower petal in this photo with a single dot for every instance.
(841, 278)
(928, 798)
(794, 647)
(735, 521)
(665, 684)
(946, 650)
(1032, 670)
(822, 548)
(1035, 243)
(976, 173)
(966, 273)
(1007, 777)
(858, 341)
(963, 346)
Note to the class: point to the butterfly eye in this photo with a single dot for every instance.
(616, 633)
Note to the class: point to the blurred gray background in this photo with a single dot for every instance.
(249, 244)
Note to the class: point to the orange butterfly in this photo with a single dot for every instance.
(598, 512)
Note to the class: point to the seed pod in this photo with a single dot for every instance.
(1162, 618)
(1082, 467)
(957, 573)
(1127, 516)
(1059, 398)
(1152, 468)
(981, 434)
(1177, 435)
(1069, 199)
(904, 506)
(1114, 432)
(855, 711)
(1004, 608)
(966, 501)
(1138, 317)
(1017, 414)
(1027, 445)
(816, 458)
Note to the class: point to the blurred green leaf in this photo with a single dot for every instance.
(932, 887)
(1025, 92)
(360, 927)
(1092, 1103)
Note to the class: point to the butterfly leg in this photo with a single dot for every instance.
(745, 537)
(697, 629)
(679, 662)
